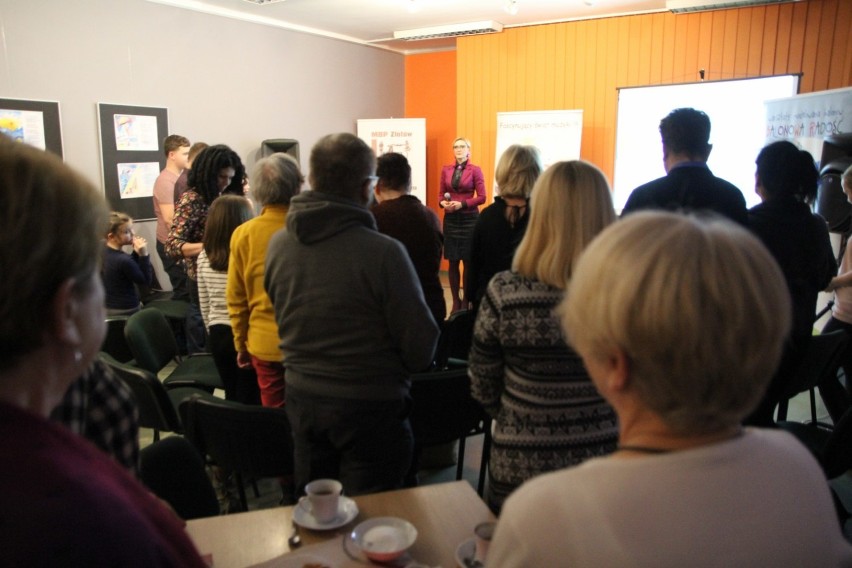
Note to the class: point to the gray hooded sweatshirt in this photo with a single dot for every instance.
(351, 314)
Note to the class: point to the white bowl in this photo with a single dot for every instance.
(384, 538)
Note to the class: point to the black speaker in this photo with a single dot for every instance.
(831, 202)
(286, 145)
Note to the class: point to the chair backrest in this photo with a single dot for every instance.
(821, 359)
(115, 343)
(443, 409)
(456, 338)
(150, 339)
(174, 471)
(836, 458)
(251, 440)
(156, 410)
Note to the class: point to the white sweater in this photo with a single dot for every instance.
(211, 293)
(759, 500)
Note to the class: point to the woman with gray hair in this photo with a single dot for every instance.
(681, 323)
(502, 225)
(64, 501)
(275, 179)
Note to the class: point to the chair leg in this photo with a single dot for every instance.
(156, 435)
(256, 490)
(813, 407)
(243, 501)
(460, 459)
(782, 410)
(486, 456)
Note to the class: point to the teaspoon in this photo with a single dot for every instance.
(295, 541)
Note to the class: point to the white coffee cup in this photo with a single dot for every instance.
(483, 532)
(321, 499)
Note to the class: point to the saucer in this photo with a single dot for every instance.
(346, 511)
(466, 553)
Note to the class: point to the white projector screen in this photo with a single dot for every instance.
(737, 119)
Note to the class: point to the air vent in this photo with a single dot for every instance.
(452, 30)
(686, 6)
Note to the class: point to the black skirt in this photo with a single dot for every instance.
(458, 233)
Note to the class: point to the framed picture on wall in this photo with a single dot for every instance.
(32, 122)
(131, 155)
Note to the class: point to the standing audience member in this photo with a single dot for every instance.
(64, 502)
(688, 185)
(682, 343)
(502, 225)
(841, 315)
(217, 170)
(276, 180)
(182, 183)
(547, 413)
(226, 214)
(786, 181)
(401, 215)
(177, 152)
(101, 408)
(122, 272)
(353, 325)
(462, 192)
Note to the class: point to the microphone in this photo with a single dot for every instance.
(447, 196)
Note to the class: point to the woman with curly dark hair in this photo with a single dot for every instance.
(216, 171)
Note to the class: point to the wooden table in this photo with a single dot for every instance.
(444, 515)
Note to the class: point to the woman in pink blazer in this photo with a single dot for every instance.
(462, 192)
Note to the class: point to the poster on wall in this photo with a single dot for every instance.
(406, 136)
(556, 133)
(131, 155)
(807, 119)
(32, 122)
(134, 132)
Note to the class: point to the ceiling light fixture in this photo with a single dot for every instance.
(685, 6)
(511, 7)
(452, 30)
(413, 6)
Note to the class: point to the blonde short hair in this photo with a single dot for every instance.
(517, 170)
(465, 140)
(570, 204)
(698, 306)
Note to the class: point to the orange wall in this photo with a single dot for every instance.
(579, 65)
(430, 93)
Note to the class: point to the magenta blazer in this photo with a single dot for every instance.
(471, 191)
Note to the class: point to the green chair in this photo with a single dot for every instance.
(158, 407)
(153, 346)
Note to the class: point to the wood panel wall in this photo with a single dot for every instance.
(580, 65)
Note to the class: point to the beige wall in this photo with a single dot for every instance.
(222, 80)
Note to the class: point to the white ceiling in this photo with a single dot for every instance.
(374, 21)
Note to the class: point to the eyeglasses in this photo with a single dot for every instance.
(458, 146)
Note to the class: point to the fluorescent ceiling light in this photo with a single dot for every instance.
(263, 1)
(452, 30)
(685, 6)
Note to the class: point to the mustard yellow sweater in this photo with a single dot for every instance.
(249, 307)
